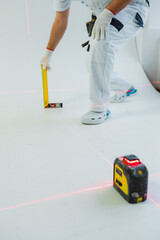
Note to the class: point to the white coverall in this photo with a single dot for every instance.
(101, 55)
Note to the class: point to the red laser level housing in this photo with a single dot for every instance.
(130, 178)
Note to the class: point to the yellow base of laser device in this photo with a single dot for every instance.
(45, 92)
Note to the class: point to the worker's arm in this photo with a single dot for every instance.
(58, 29)
(117, 5)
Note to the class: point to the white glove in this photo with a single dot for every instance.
(45, 60)
(101, 26)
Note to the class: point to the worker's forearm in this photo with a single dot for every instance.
(117, 5)
(58, 29)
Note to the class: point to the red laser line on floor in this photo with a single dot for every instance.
(101, 187)
(155, 174)
(17, 92)
(121, 91)
(63, 90)
(45, 61)
(145, 85)
(52, 90)
(103, 105)
(36, 91)
(91, 147)
(27, 16)
(153, 201)
(138, 86)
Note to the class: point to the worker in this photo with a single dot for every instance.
(117, 21)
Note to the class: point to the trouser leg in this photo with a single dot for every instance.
(100, 70)
(102, 53)
(119, 83)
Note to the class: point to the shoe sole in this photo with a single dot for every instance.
(96, 123)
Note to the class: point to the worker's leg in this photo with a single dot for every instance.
(120, 88)
(100, 70)
(101, 61)
(119, 83)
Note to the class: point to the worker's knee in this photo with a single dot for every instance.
(100, 51)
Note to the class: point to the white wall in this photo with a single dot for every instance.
(148, 42)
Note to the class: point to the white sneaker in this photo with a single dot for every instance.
(118, 98)
(121, 97)
(92, 118)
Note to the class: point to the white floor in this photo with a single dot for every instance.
(56, 174)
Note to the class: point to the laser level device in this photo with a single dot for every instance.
(130, 178)
(45, 92)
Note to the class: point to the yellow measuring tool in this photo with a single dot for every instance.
(45, 92)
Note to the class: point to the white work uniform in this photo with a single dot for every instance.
(101, 55)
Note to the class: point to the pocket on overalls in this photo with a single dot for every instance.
(122, 18)
(126, 16)
(139, 20)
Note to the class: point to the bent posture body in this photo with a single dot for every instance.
(117, 22)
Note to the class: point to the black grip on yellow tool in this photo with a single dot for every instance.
(90, 25)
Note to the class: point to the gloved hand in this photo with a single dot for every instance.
(45, 60)
(101, 26)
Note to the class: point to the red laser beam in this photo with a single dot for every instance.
(103, 105)
(35, 91)
(121, 91)
(103, 156)
(145, 85)
(101, 187)
(17, 92)
(138, 86)
(155, 174)
(63, 90)
(91, 147)
(45, 61)
(27, 16)
(51, 90)
(153, 201)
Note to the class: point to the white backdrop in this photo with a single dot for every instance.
(47, 155)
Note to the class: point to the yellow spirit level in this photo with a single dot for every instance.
(45, 92)
(130, 178)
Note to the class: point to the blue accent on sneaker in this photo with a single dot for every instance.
(130, 92)
(108, 113)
